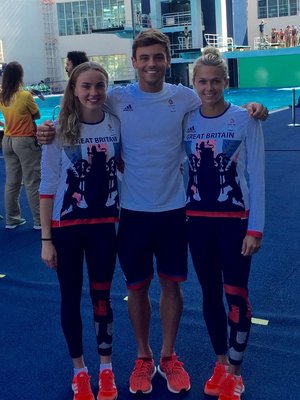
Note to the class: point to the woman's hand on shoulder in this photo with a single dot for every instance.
(257, 111)
(45, 132)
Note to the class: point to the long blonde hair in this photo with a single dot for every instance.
(12, 81)
(211, 56)
(70, 113)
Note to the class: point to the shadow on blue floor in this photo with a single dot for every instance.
(34, 360)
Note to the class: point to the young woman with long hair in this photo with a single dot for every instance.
(22, 154)
(79, 208)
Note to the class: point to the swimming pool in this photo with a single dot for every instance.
(273, 98)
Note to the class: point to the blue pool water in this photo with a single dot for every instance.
(273, 98)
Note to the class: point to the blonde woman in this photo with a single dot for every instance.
(225, 210)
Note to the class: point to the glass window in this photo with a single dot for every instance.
(84, 26)
(118, 66)
(293, 7)
(77, 26)
(80, 17)
(83, 9)
(76, 9)
(262, 9)
(283, 8)
(68, 8)
(272, 8)
(275, 8)
(61, 11)
(70, 27)
(62, 28)
(99, 8)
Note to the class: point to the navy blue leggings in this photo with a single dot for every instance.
(97, 244)
(215, 245)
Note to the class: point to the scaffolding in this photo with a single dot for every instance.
(51, 46)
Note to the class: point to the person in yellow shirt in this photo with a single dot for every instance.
(22, 154)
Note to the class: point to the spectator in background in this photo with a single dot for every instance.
(75, 58)
(274, 35)
(280, 36)
(261, 27)
(294, 38)
(288, 36)
(186, 35)
(22, 154)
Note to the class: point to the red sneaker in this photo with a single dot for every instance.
(213, 384)
(232, 388)
(107, 386)
(142, 375)
(176, 376)
(81, 387)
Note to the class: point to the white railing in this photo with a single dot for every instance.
(223, 43)
(184, 43)
(175, 19)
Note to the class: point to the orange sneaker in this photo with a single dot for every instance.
(176, 376)
(107, 386)
(232, 388)
(213, 384)
(142, 375)
(81, 387)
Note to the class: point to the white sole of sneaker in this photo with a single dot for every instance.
(168, 386)
(140, 391)
(16, 225)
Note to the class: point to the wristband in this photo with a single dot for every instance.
(46, 239)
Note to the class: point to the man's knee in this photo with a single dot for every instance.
(139, 292)
(170, 287)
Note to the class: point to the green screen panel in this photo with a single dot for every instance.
(269, 71)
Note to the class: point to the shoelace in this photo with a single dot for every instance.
(172, 366)
(142, 367)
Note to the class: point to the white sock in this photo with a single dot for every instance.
(105, 366)
(78, 370)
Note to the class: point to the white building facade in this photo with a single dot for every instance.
(39, 33)
(277, 14)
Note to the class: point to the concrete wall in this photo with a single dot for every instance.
(22, 34)
(21, 30)
(94, 44)
(278, 23)
(239, 17)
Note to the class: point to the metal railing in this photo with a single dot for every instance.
(175, 19)
(223, 43)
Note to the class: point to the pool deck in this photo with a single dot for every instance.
(33, 353)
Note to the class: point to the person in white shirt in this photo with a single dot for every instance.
(152, 220)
